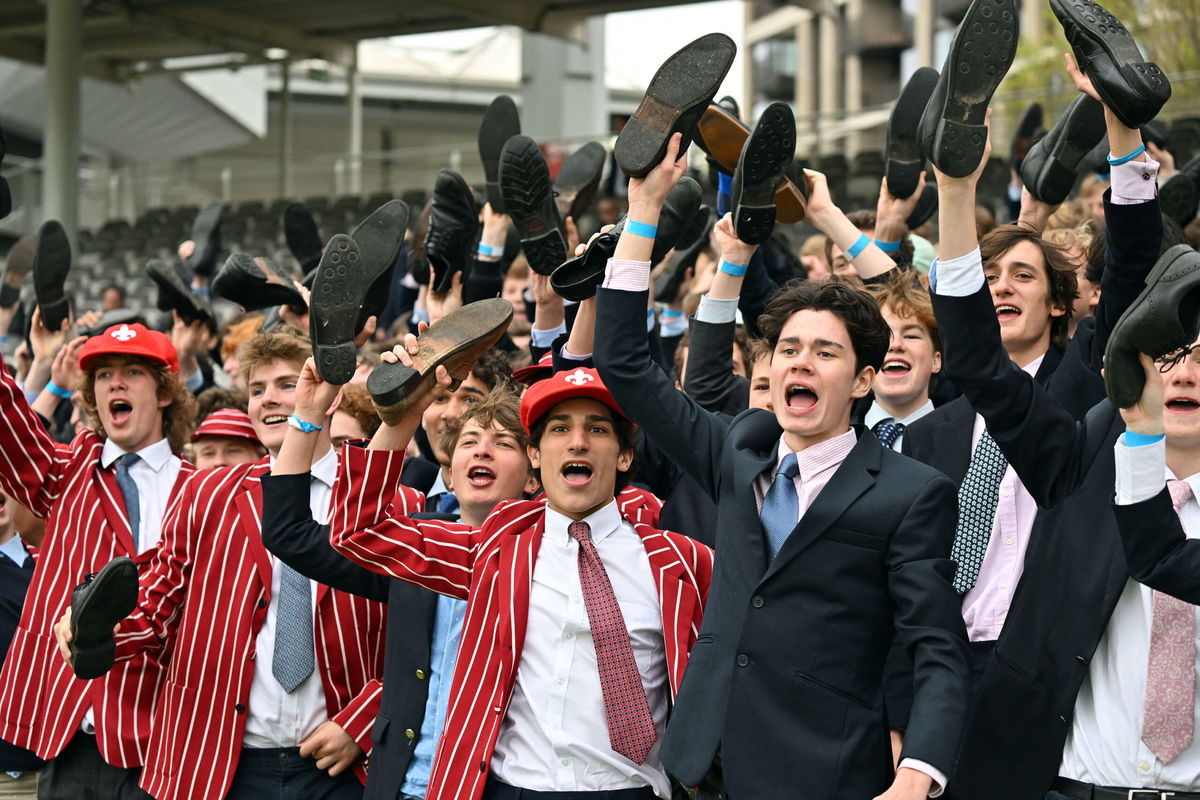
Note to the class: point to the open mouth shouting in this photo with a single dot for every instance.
(119, 412)
(577, 473)
(1006, 312)
(895, 368)
(481, 476)
(1182, 405)
(800, 399)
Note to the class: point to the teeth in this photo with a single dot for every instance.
(1013, 309)
(890, 364)
(274, 418)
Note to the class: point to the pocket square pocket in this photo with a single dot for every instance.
(855, 538)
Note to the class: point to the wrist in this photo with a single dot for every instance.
(645, 211)
(1145, 427)
(825, 216)
(301, 420)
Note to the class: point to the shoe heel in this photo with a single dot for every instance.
(959, 147)
(391, 383)
(754, 225)
(336, 362)
(548, 250)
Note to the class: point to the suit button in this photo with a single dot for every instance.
(410, 733)
(1081, 659)
(262, 602)
(420, 674)
(239, 708)
(482, 767)
(757, 601)
(743, 659)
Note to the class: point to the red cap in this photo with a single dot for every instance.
(561, 386)
(227, 422)
(130, 339)
(530, 375)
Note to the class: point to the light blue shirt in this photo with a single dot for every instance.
(14, 548)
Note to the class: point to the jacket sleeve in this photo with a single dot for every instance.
(709, 378)
(1158, 551)
(290, 532)
(369, 525)
(30, 465)
(358, 717)
(689, 435)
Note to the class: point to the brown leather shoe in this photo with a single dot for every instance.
(722, 137)
(456, 341)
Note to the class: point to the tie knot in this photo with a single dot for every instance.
(1181, 492)
(128, 460)
(580, 531)
(789, 466)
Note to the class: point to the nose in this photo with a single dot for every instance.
(1184, 373)
(1002, 284)
(578, 441)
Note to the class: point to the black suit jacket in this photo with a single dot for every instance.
(290, 532)
(785, 676)
(1158, 551)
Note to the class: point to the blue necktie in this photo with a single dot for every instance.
(130, 491)
(781, 506)
(888, 432)
(294, 657)
(447, 503)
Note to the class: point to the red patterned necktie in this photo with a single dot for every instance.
(1169, 711)
(630, 725)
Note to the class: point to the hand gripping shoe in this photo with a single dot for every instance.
(206, 235)
(97, 605)
(51, 263)
(1051, 166)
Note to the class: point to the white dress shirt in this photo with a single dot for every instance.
(1105, 745)
(275, 718)
(555, 737)
(154, 474)
(877, 414)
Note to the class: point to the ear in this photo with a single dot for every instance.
(531, 486)
(862, 382)
(449, 479)
(937, 363)
(624, 460)
(1057, 310)
(535, 456)
(337, 401)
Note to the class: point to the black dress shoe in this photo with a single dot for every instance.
(529, 201)
(903, 148)
(451, 236)
(1028, 129)
(1132, 88)
(342, 282)
(1051, 167)
(456, 341)
(173, 293)
(51, 263)
(678, 94)
(1177, 198)
(953, 133)
(256, 282)
(763, 164)
(689, 247)
(578, 278)
(500, 123)
(206, 234)
(97, 605)
(16, 267)
(730, 106)
(578, 178)
(118, 316)
(1163, 319)
(926, 207)
(379, 238)
(302, 237)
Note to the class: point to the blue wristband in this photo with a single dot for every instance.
(1124, 159)
(302, 426)
(724, 183)
(887, 247)
(641, 228)
(1142, 439)
(671, 313)
(736, 270)
(56, 390)
(486, 250)
(859, 245)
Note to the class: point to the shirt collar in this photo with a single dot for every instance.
(439, 485)
(877, 414)
(1033, 366)
(821, 456)
(14, 548)
(602, 522)
(155, 455)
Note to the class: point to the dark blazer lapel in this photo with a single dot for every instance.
(112, 503)
(855, 476)
(1050, 362)
(955, 432)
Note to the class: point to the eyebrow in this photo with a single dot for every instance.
(471, 389)
(817, 342)
(588, 418)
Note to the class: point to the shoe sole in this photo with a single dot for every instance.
(674, 101)
(302, 236)
(588, 162)
(171, 294)
(110, 597)
(456, 341)
(904, 158)
(722, 137)
(334, 304)
(500, 123)
(981, 53)
(762, 165)
(1144, 78)
(1064, 147)
(205, 229)
(379, 238)
(51, 265)
(442, 267)
(529, 200)
(263, 294)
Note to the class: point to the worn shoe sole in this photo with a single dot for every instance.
(379, 238)
(722, 137)
(302, 237)
(904, 158)
(762, 165)
(1051, 166)
(529, 201)
(982, 51)
(677, 96)
(578, 178)
(335, 301)
(252, 285)
(98, 604)
(51, 264)
(16, 267)
(1149, 89)
(456, 341)
(500, 123)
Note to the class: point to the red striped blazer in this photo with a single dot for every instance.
(492, 569)
(204, 598)
(41, 701)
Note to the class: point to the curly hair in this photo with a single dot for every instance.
(502, 407)
(284, 344)
(856, 308)
(357, 403)
(177, 418)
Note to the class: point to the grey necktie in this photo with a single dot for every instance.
(294, 658)
(977, 498)
(781, 506)
(130, 491)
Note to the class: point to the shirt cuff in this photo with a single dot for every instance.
(569, 356)
(1141, 472)
(1134, 182)
(628, 276)
(672, 326)
(958, 277)
(540, 338)
(716, 311)
(939, 777)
